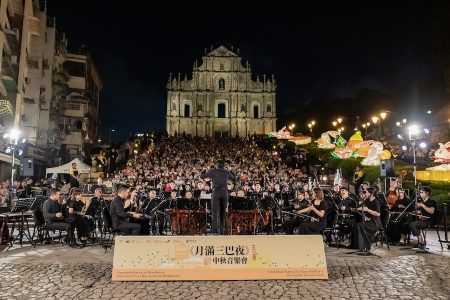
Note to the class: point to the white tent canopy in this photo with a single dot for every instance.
(65, 169)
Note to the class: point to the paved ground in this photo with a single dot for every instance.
(61, 272)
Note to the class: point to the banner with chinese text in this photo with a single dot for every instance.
(254, 257)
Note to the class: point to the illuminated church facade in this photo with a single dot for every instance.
(221, 99)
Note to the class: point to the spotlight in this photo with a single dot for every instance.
(429, 112)
(404, 148)
(8, 150)
(20, 152)
(24, 140)
(400, 136)
(427, 131)
(423, 145)
(5, 135)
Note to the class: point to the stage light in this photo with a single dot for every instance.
(404, 148)
(383, 115)
(423, 145)
(404, 121)
(375, 119)
(426, 130)
(24, 140)
(339, 120)
(398, 124)
(8, 150)
(334, 123)
(20, 152)
(400, 136)
(5, 135)
(429, 112)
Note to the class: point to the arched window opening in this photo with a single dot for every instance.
(255, 111)
(187, 110)
(221, 110)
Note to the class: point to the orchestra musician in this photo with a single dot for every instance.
(54, 218)
(119, 216)
(425, 207)
(398, 226)
(75, 206)
(317, 210)
(156, 220)
(295, 205)
(136, 202)
(365, 228)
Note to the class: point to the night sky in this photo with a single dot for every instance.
(318, 50)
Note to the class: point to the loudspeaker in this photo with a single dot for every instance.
(387, 168)
(26, 166)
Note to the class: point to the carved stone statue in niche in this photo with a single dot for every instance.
(199, 106)
(243, 108)
(174, 106)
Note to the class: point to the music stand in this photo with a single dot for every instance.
(37, 203)
(23, 205)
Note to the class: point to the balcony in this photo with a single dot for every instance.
(6, 108)
(13, 40)
(74, 109)
(73, 138)
(33, 69)
(9, 69)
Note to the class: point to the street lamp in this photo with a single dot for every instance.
(109, 138)
(13, 136)
(339, 120)
(334, 123)
(310, 126)
(413, 130)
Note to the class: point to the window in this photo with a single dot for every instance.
(221, 84)
(187, 110)
(255, 111)
(269, 108)
(221, 110)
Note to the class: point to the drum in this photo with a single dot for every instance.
(241, 222)
(187, 222)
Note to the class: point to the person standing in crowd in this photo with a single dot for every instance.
(119, 216)
(219, 177)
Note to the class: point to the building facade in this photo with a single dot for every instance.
(221, 99)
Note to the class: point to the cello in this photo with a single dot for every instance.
(393, 187)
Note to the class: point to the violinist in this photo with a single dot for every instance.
(318, 211)
(425, 207)
(364, 229)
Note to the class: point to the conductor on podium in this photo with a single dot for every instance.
(219, 197)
